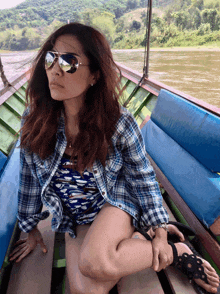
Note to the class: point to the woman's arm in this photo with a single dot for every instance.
(140, 178)
(29, 197)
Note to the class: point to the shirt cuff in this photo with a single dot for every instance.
(30, 223)
(155, 217)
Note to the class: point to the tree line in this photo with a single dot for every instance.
(182, 22)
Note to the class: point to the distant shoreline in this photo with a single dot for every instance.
(197, 48)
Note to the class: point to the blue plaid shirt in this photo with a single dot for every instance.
(127, 181)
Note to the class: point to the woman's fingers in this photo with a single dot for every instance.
(181, 236)
(18, 253)
(174, 230)
(21, 241)
(25, 246)
(24, 254)
(18, 248)
(43, 246)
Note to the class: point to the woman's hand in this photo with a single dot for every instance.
(162, 252)
(173, 230)
(25, 246)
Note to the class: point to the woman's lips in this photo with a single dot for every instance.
(55, 85)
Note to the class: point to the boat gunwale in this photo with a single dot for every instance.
(154, 87)
(17, 82)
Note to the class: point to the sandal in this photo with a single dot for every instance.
(190, 265)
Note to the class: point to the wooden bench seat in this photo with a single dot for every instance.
(33, 274)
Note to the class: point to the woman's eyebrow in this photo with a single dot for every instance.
(65, 52)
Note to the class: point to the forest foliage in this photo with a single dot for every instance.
(174, 23)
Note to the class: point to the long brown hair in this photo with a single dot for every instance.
(97, 117)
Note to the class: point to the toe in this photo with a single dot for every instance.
(207, 287)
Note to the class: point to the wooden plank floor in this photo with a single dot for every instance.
(143, 282)
(180, 283)
(33, 274)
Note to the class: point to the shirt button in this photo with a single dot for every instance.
(95, 171)
(136, 215)
(103, 193)
(120, 206)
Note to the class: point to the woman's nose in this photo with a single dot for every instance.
(56, 70)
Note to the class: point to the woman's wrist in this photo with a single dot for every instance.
(160, 233)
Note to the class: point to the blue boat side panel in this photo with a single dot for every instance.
(194, 128)
(3, 159)
(197, 185)
(8, 201)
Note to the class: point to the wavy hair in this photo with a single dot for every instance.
(99, 113)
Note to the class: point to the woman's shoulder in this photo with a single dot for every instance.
(126, 127)
(126, 122)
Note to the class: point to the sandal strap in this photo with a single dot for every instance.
(175, 253)
(189, 264)
(142, 232)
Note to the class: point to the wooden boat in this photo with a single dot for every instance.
(182, 140)
(141, 101)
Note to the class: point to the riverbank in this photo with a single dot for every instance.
(196, 48)
(193, 48)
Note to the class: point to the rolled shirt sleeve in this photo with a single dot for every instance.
(29, 198)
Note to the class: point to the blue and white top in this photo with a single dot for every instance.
(79, 194)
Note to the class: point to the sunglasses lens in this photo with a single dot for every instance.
(68, 63)
(49, 59)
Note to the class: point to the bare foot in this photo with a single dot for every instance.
(212, 276)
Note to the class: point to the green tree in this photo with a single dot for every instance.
(211, 16)
(132, 4)
(198, 4)
(136, 25)
(104, 21)
(182, 19)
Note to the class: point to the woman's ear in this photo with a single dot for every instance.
(96, 77)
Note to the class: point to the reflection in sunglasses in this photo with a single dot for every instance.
(68, 62)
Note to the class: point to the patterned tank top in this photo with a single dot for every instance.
(78, 192)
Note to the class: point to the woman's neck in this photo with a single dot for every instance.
(72, 108)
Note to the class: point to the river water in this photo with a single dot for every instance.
(194, 72)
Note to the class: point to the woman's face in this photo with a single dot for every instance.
(63, 85)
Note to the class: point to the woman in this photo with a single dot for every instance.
(83, 157)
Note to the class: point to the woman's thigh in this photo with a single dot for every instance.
(78, 283)
(90, 255)
(98, 255)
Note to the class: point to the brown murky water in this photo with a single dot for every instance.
(196, 73)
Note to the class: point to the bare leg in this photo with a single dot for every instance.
(104, 252)
(77, 282)
(212, 276)
(109, 252)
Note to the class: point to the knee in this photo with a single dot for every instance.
(100, 268)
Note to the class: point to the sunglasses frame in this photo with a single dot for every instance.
(56, 58)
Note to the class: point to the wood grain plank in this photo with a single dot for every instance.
(143, 282)
(33, 274)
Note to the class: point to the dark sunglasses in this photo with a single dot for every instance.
(68, 62)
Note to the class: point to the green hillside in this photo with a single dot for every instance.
(174, 22)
